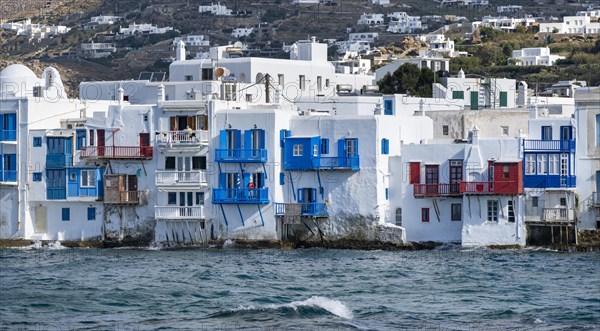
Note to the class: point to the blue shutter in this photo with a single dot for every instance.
(238, 139)
(282, 135)
(222, 180)
(261, 135)
(12, 121)
(91, 213)
(388, 107)
(325, 146)
(2, 121)
(66, 214)
(300, 196)
(281, 178)
(80, 139)
(262, 179)
(387, 193)
(223, 139)
(12, 162)
(314, 195)
(342, 147)
(247, 139)
(357, 153)
(246, 178)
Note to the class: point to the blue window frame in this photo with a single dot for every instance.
(387, 193)
(80, 139)
(37, 176)
(546, 133)
(66, 214)
(37, 141)
(91, 211)
(325, 146)
(388, 107)
(281, 178)
(385, 146)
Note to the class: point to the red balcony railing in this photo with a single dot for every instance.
(436, 190)
(509, 188)
(117, 152)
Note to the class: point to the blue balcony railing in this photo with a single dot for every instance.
(58, 161)
(8, 176)
(549, 145)
(56, 193)
(241, 155)
(306, 209)
(8, 135)
(549, 181)
(240, 196)
(340, 162)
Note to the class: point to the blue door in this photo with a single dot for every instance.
(598, 182)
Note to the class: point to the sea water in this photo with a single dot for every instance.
(303, 289)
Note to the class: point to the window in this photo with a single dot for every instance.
(387, 193)
(327, 82)
(80, 139)
(282, 178)
(511, 211)
(37, 141)
(66, 214)
(415, 172)
(458, 95)
(445, 130)
(319, 79)
(170, 163)
(530, 164)
(534, 202)
(248, 97)
(325, 146)
(298, 149)
(504, 130)
(563, 202)
(425, 215)
(302, 82)
(92, 142)
(399, 216)
(385, 146)
(492, 211)
(91, 211)
(388, 107)
(172, 198)
(207, 74)
(456, 212)
(280, 79)
(315, 150)
(88, 178)
(145, 118)
(506, 172)
(189, 77)
(546, 133)
(564, 164)
(198, 162)
(553, 160)
(352, 147)
(199, 198)
(37, 176)
(542, 161)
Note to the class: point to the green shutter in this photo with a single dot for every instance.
(474, 100)
(458, 95)
(503, 99)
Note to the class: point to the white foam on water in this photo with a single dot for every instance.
(539, 321)
(334, 307)
(228, 243)
(56, 245)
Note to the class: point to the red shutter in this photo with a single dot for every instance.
(415, 173)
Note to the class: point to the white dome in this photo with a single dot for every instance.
(17, 71)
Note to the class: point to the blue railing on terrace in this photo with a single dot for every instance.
(8, 135)
(56, 193)
(306, 209)
(57, 161)
(340, 162)
(549, 145)
(8, 176)
(240, 195)
(241, 155)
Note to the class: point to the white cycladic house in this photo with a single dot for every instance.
(538, 56)
(370, 19)
(401, 22)
(572, 24)
(143, 28)
(241, 32)
(502, 23)
(215, 9)
(97, 50)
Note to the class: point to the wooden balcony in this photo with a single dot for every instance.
(561, 215)
(179, 213)
(117, 152)
(127, 198)
(491, 188)
(436, 190)
(187, 179)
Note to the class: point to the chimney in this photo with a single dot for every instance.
(180, 51)
(522, 98)
(120, 95)
(161, 92)
(533, 111)
(475, 136)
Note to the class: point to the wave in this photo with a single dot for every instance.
(52, 245)
(334, 307)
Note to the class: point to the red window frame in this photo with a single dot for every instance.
(425, 215)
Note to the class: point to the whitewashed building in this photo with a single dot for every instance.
(193, 41)
(215, 9)
(537, 56)
(370, 19)
(35, 31)
(143, 28)
(572, 24)
(433, 63)
(96, 50)
(469, 193)
(401, 22)
(241, 32)
(502, 23)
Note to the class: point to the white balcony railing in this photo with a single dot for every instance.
(559, 214)
(174, 177)
(182, 138)
(179, 213)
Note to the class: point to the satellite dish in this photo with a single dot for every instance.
(238, 44)
(220, 72)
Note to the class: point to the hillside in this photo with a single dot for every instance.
(276, 22)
